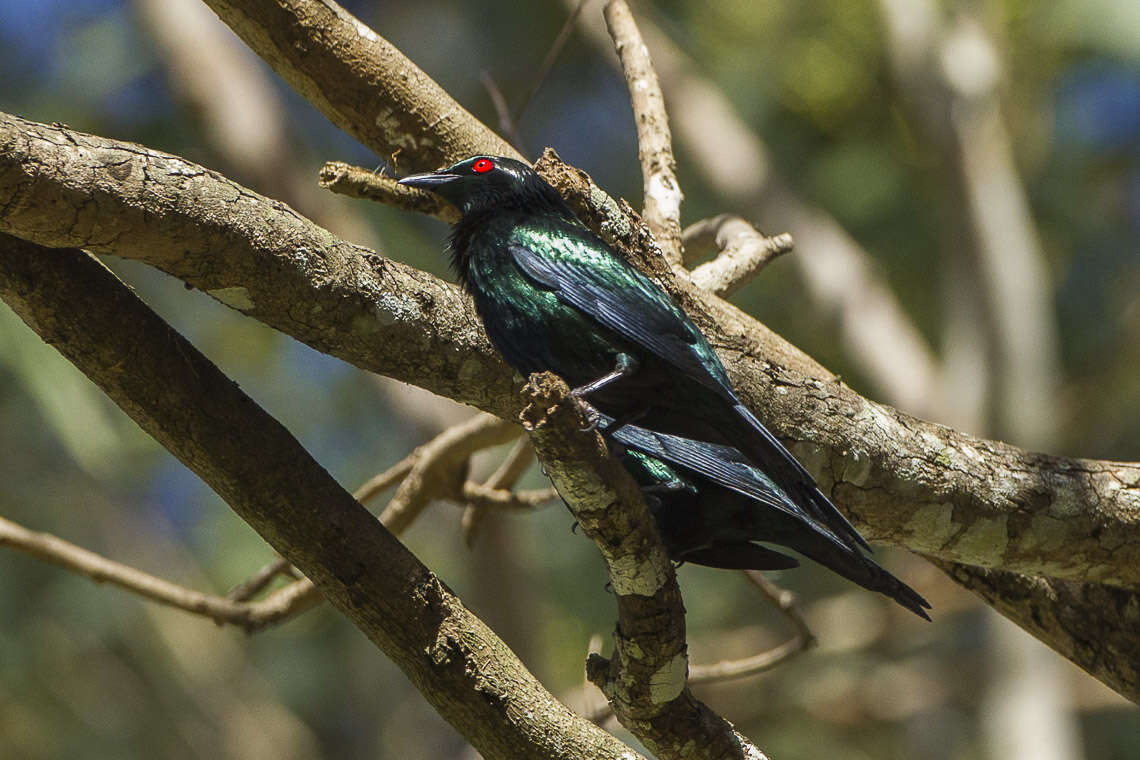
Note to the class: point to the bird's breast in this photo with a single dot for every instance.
(534, 330)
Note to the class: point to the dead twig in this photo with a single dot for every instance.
(357, 182)
(743, 252)
(803, 640)
(548, 62)
(598, 710)
(440, 468)
(425, 472)
(256, 583)
(507, 124)
(250, 616)
(502, 480)
(663, 194)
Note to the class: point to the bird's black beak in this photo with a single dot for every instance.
(429, 180)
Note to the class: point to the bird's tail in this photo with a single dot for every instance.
(865, 571)
(777, 461)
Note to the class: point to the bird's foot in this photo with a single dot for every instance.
(589, 411)
(624, 366)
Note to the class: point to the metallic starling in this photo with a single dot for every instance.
(554, 297)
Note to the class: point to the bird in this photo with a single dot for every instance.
(553, 296)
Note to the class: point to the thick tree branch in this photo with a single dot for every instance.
(910, 482)
(61, 188)
(435, 470)
(360, 81)
(645, 678)
(1090, 624)
(190, 407)
(47, 182)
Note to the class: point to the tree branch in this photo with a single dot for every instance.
(360, 81)
(663, 194)
(248, 615)
(802, 641)
(356, 182)
(53, 189)
(191, 408)
(839, 275)
(644, 680)
(743, 251)
(60, 188)
(435, 470)
(1090, 624)
(505, 477)
(440, 468)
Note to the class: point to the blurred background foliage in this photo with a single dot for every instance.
(93, 672)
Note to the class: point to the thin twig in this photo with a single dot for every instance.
(841, 277)
(435, 470)
(483, 498)
(785, 601)
(749, 666)
(513, 466)
(440, 469)
(504, 478)
(507, 125)
(744, 252)
(357, 182)
(663, 194)
(445, 451)
(257, 582)
(456, 443)
(598, 710)
(390, 477)
(102, 570)
(803, 640)
(548, 62)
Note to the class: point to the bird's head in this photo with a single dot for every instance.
(486, 183)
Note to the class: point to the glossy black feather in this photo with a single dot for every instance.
(712, 506)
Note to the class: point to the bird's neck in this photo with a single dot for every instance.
(479, 232)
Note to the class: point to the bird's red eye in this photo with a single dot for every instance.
(482, 166)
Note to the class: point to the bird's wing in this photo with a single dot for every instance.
(819, 505)
(729, 468)
(723, 465)
(586, 275)
(624, 300)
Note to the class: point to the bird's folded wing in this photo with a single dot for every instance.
(629, 303)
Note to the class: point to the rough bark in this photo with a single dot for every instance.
(903, 480)
(180, 398)
(360, 81)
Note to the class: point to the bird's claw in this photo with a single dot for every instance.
(592, 415)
